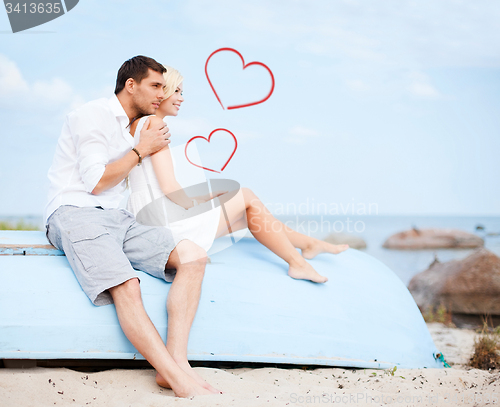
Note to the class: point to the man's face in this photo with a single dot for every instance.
(148, 94)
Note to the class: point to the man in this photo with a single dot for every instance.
(104, 244)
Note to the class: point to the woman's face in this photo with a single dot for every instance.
(171, 106)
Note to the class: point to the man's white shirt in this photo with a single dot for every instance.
(93, 136)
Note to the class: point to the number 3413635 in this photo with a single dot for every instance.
(32, 8)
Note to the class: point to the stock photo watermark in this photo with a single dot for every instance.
(327, 217)
(453, 399)
(227, 198)
(313, 226)
(24, 15)
(311, 207)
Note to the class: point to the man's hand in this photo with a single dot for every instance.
(154, 136)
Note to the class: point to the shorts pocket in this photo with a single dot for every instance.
(89, 244)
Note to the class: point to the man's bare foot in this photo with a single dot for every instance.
(184, 365)
(163, 383)
(185, 386)
(304, 271)
(319, 246)
(191, 390)
(160, 381)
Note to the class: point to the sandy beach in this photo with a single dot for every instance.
(456, 386)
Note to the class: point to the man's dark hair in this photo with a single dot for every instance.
(137, 69)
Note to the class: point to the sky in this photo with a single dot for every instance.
(381, 108)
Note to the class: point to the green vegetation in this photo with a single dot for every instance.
(20, 225)
(439, 314)
(486, 354)
(391, 372)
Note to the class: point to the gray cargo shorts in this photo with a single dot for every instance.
(104, 246)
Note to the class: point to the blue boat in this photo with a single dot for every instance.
(249, 311)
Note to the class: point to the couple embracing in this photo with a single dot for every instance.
(101, 144)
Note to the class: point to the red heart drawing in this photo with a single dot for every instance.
(204, 138)
(244, 67)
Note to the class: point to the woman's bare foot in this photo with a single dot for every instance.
(319, 246)
(304, 271)
(192, 373)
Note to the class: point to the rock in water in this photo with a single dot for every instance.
(468, 286)
(354, 242)
(433, 239)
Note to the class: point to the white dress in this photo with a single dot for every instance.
(150, 206)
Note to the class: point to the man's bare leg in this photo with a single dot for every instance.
(189, 260)
(143, 335)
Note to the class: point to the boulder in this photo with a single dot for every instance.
(353, 241)
(468, 286)
(433, 239)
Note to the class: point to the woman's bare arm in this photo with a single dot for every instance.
(164, 170)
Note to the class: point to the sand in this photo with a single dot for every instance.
(456, 386)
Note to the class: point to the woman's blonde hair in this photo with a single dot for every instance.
(173, 78)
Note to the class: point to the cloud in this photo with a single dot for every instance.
(300, 135)
(182, 129)
(373, 49)
(57, 93)
(357, 85)
(392, 33)
(420, 86)
(187, 128)
(11, 80)
(303, 131)
(53, 95)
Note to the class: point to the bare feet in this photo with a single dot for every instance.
(192, 373)
(304, 271)
(184, 385)
(160, 381)
(192, 390)
(319, 246)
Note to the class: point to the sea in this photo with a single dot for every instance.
(375, 229)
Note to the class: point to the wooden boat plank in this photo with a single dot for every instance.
(27, 243)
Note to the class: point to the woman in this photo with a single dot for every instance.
(244, 210)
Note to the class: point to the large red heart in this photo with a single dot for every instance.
(209, 137)
(244, 67)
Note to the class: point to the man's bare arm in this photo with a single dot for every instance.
(152, 140)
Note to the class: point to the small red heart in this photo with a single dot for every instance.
(244, 67)
(204, 138)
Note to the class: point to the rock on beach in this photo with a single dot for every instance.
(354, 242)
(433, 239)
(468, 286)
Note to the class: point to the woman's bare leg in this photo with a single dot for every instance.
(268, 231)
(237, 225)
(309, 246)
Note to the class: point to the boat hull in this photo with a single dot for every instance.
(249, 311)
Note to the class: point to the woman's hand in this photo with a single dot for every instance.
(208, 197)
